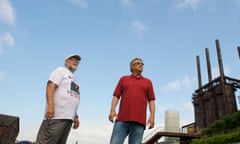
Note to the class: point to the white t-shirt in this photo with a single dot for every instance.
(66, 95)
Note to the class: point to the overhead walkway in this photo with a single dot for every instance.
(184, 137)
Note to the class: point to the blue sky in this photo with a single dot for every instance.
(36, 36)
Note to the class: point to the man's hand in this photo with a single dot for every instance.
(76, 122)
(112, 116)
(150, 123)
(50, 112)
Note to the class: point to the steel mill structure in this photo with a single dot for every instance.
(217, 98)
(211, 102)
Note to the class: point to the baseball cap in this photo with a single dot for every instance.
(73, 55)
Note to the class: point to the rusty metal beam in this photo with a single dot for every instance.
(239, 51)
(220, 63)
(208, 65)
(199, 72)
(222, 79)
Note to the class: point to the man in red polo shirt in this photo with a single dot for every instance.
(134, 93)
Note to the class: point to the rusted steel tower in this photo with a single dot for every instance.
(217, 98)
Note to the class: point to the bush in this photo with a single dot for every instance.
(224, 131)
(220, 139)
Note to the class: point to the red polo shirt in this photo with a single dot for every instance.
(134, 94)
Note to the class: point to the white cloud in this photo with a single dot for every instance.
(139, 27)
(189, 3)
(91, 134)
(87, 133)
(83, 4)
(6, 40)
(176, 85)
(186, 83)
(7, 13)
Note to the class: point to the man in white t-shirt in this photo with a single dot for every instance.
(62, 96)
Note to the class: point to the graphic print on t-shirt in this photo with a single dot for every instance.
(74, 87)
(74, 90)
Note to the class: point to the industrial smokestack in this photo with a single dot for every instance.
(239, 51)
(220, 63)
(199, 72)
(208, 65)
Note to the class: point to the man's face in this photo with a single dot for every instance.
(137, 66)
(72, 63)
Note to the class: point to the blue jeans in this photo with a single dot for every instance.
(121, 130)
